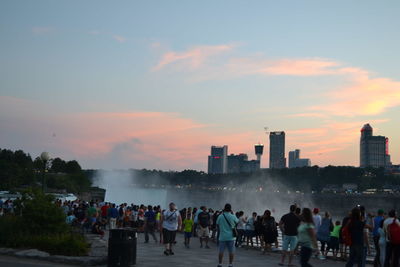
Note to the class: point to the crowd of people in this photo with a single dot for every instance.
(304, 232)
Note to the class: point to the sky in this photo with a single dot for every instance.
(153, 84)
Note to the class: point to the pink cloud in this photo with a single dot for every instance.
(299, 67)
(362, 96)
(116, 140)
(192, 58)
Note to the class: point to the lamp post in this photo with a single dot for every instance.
(45, 158)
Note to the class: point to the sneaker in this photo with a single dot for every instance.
(201, 246)
(207, 246)
(166, 253)
(171, 252)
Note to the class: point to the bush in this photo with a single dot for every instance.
(11, 235)
(40, 224)
(40, 215)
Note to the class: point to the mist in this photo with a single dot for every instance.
(122, 187)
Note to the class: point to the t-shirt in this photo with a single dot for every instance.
(250, 224)
(386, 224)
(290, 224)
(150, 216)
(304, 236)
(196, 216)
(317, 221)
(170, 220)
(336, 231)
(113, 213)
(104, 210)
(377, 224)
(225, 228)
(242, 223)
(203, 219)
(188, 225)
(91, 211)
(356, 229)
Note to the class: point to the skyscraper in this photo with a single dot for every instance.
(259, 150)
(218, 161)
(277, 158)
(295, 160)
(374, 150)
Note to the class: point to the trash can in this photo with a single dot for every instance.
(122, 247)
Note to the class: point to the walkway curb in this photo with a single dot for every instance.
(40, 255)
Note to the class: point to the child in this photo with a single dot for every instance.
(334, 239)
(188, 228)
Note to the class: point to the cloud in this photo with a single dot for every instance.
(137, 139)
(307, 115)
(192, 58)
(42, 30)
(363, 95)
(119, 38)
(290, 67)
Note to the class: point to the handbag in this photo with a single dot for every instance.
(234, 231)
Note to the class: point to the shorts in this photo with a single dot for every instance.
(334, 243)
(168, 236)
(230, 245)
(203, 231)
(188, 234)
(289, 243)
(249, 233)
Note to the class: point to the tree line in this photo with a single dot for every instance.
(18, 170)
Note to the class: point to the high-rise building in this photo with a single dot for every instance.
(218, 160)
(235, 162)
(259, 150)
(295, 161)
(374, 150)
(277, 158)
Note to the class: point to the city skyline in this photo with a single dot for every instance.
(154, 85)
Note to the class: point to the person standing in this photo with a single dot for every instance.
(226, 224)
(188, 228)
(382, 246)
(203, 220)
(171, 221)
(392, 250)
(240, 228)
(250, 232)
(112, 216)
(324, 231)
(377, 221)
(149, 224)
(270, 231)
(288, 225)
(307, 237)
(356, 228)
(334, 240)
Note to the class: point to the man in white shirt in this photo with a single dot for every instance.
(170, 222)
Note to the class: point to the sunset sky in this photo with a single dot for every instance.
(153, 84)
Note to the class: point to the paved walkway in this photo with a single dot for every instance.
(151, 255)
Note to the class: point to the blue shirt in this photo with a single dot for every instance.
(377, 222)
(150, 216)
(225, 228)
(113, 213)
(196, 215)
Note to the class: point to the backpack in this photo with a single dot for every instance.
(346, 235)
(394, 232)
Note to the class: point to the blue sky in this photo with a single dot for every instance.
(83, 79)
